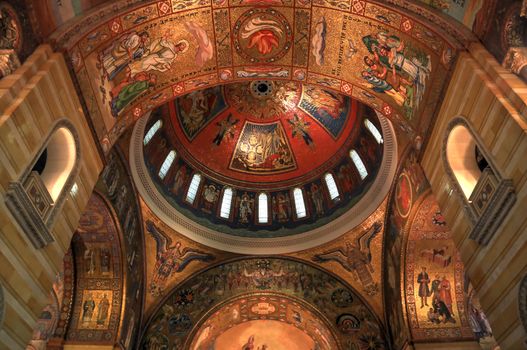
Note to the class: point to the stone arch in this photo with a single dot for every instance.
(247, 277)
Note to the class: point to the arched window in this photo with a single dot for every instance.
(263, 216)
(193, 188)
(167, 164)
(299, 203)
(373, 130)
(56, 161)
(332, 186)
(461, 152)
(226, 203)
(152, 131)
(359, 164)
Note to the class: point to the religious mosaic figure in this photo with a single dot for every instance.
(396, 69)
(225, 128)
(316, 197)
(103, 309)
(245, 208)
(300, 127)
(170, 258)
(356, 257)
(210, 196)
(424, 291)
(87, 308)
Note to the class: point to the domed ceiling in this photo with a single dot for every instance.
(261, 159)
(265, 134)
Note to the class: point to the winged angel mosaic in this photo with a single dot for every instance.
(356, 257)
(170, 258)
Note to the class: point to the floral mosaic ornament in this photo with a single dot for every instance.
(262, 35)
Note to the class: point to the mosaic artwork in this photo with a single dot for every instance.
(97, 306)
(264, 321)
(328, 108)
(176, 323)
(142, 57)
(436, 307)
(170, 258)
(242, 218)
(196, 109)
(409, 189)
(115, 184)
(263, 148)
(356, 258)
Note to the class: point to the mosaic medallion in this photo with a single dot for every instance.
(262, 35)
(263, 99)
(263, 149)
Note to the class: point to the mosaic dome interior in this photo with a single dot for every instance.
(273, 156)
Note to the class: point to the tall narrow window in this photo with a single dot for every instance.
(374, 131)
(359, 164)
(226, 202)
(153, 129)
(299, 203)
(263, 216)
(193, 188)
(332, 186)
(167, 164)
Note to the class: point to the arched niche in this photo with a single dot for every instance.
(486, 195)
(461, 155)
(61, 154)
(38, 195)
(180, 318)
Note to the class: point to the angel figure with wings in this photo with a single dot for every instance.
(263, 276)
(356, 257)
(170, 258)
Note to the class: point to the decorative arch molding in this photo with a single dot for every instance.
(192, 299)
(2, 306)
(522, 303)
(29, 198)
(435, 42)
(493, 195)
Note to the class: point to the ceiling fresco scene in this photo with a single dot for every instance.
(284, 140)
(262, 181)
(146, 56)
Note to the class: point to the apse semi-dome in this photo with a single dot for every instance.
(263, 166)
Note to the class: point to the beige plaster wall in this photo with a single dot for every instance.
(31, 101)
(494, 102)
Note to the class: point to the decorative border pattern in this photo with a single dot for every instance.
(280, 245)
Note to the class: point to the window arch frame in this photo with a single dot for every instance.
(303, 196)
(231, 206)
(478, 142)
(200, 182)
(354, 151)
(488, 215)
(267, 211)
(150, 137)
(35, 225)
(163, 173)
(337, 197)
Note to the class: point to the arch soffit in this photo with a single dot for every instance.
(430, 40)
(157, 309)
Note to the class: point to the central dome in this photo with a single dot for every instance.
(261, 160)
(265, 134)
